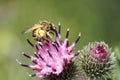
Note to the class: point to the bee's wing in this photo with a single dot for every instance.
(30, 29)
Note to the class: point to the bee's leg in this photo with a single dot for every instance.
(48, 35)
(36, 38)
(51, 32)
(33, 35)
(52, 28)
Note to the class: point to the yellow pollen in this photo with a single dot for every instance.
(41, 33)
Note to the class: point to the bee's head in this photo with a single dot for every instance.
(51, 26)
(48, 25)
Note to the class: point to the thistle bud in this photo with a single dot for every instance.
(97, 61)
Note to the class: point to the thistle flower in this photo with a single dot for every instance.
(51, 57)
(97, 61)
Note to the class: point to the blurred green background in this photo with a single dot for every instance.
(96, 20)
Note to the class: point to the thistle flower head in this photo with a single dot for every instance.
(51, 57)
(100, 51)
(97, 60)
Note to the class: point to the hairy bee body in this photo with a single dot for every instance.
(41, 31)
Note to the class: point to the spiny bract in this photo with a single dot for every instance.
(97, 61)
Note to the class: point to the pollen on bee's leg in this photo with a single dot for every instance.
(30, 42)
(23, 53)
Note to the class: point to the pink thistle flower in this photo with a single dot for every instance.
(52, 56)
(100, 52)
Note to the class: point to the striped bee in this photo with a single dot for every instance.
(41, 31)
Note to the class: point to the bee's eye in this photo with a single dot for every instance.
(48, 28)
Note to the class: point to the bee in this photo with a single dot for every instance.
(41, 31)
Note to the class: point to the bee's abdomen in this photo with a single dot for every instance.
(36, 35)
